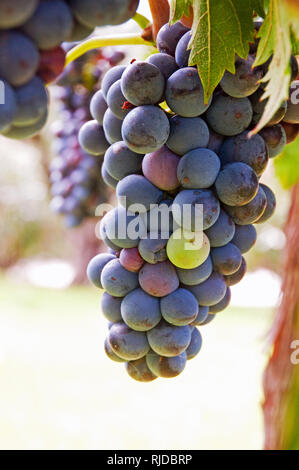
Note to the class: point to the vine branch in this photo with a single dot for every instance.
(95, 43)
(160, 12)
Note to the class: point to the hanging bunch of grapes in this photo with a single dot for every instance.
(76, 184)
(167, 274)
(31, 56)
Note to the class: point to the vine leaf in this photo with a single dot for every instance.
(275, 41)
(221, 29)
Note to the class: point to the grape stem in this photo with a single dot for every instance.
(141, 20)
(94, 43)
(160, 12)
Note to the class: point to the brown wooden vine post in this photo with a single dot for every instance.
(281, 378)
(160, 12)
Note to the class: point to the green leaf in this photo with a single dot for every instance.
(276, 41)
(295, 43)
(287, 165)
(178, 8)
(221, 29)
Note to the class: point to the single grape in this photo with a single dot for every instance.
(117, 102)
(112, 127)
(140, 311)
(19, 57)
(32, 102)
(222, 232)
(245, 81)
(92, 138)
(166, 367)
(169, 36)
(179, 308)
(153, 250)
(270, 207)
(236, 184)
(120, 161)
(111, 77)
(187, 134)
(275, 138)
(14, 13)
(142, 83)
(101, 13)
(145, 129)
(223, 304)
(188, 250)
(160, 168)
(110, 353)
(195, 344)
(116, 280)
(25, 132)
(182, 52)
(169, 340)
(190, 204)
(251, 151)
(245, 237)
(235, 278)
(131, 260)
(111, 307)
(258, 106)
(107, 178)
(251, 212)
(226, 259)
(104, 237)
(127, 343)
(203, 313)
(136, 189)
(229, 116)
(50, 25)
(98, 106)
(184, 93)
(158, 279)
(198, 169)
(211, 291)
(165, 63)
(96, 266)
(192, 277)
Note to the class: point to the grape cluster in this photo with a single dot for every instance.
(76, 186)
(31, 33)
(165, 276)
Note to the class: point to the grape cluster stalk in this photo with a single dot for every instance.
(31, 56)
(169, 149)
(76, 187)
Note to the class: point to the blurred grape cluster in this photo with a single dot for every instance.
(76, 185)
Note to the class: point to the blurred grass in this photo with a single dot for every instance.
(59, 391)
